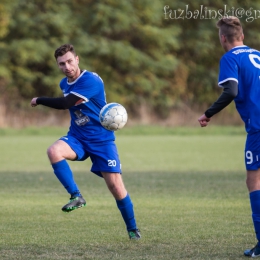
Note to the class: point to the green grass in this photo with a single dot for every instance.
(134, 130)
(188, 191)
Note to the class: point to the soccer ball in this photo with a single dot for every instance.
(113, 116)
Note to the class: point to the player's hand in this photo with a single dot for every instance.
(203, 120)
(33, 102)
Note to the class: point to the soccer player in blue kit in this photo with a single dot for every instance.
(84, 96)
(239, 77)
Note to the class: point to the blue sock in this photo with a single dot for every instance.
(65, 176)
(127, 210)
(255, 206)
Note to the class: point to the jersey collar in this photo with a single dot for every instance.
(73, 82)
(240, 46)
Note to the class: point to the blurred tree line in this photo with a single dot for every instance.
(156, 53)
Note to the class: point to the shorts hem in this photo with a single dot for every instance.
(98, 173)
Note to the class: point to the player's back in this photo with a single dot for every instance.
(247, 102)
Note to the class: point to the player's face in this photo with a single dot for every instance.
(69, 65)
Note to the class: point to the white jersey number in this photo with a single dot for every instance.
(249, 157)
(253, 58)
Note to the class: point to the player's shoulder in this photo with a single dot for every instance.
(238, 52)
(91, 76)
(63, 81)
(232, 54)
(241, 50)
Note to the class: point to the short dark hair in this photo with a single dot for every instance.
(231, 28)
(63, 49)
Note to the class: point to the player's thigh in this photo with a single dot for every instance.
(60, 150)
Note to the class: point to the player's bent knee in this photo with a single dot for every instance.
(54, 153)
(50, 153)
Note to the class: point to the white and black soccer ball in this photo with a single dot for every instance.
(113, 116)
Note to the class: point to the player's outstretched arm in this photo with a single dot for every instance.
(230, 90)
(57, 103)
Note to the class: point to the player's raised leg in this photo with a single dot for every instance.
(58, 153)
(116, 186)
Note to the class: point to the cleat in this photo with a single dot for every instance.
(254, 252)
(134, 234)
(74, 203)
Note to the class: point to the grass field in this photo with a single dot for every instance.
(187, 186)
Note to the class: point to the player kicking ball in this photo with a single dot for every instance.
(84, 96)
(239, 77)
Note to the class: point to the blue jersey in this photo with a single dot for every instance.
(85, 124)
(242, 64)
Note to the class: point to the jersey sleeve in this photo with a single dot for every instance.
(88, 87)
(228, 70)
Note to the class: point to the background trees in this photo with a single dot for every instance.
(144, 55)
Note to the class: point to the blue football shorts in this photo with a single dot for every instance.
(252, 151)
(104, 155)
